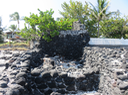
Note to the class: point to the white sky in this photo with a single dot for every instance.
(24, 7)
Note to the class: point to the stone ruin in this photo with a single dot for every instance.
(37, 72)
(69, 43)
(78, 26)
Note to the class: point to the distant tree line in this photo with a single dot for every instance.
(98, 21)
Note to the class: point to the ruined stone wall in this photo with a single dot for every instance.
(112, 66)
(103, 70)
(51, 68)
(68, 44)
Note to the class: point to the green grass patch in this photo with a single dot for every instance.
(13, 49)
(15, 45)
(21, 44)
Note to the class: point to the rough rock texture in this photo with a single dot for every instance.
(78, 26)
(68, 44)
(57, 78)
(54, 74)
(112, 65)
(47, 70)
(13, 79)
(103, 70)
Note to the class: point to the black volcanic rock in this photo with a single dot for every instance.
(68, 44)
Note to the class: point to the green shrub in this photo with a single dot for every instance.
(47, 26)
(114, 28)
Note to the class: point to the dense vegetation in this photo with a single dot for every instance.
(1, 30)
(114, 28)
(44, 26)
(97, 20)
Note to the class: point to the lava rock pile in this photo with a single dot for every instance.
(68, 44)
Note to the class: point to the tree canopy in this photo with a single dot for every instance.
(15, 16)
(115, 27)
(97, 20)
(13, 27)
(75, 10)
(99, 12)
(44, 25)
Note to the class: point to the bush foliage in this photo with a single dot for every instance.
(113, 28)
(44, 26)
(98, 22)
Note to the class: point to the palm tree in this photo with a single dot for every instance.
(13, 28)
(15, 16)
(100, 12)
(75, 10)
(1, 29)
(0, 21)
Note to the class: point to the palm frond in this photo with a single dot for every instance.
(93, 7)
(13, 27)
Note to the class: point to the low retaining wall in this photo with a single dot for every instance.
(107, 41)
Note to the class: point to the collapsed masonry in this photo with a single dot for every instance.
(67, 66)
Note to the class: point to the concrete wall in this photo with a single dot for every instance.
(108, 41)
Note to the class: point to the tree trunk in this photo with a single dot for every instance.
(98, 30)
(29, 44)
(18, 24)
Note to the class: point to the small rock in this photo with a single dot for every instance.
(63, 74)
(55, 93)
(52, 85)
(3, 84)
(15, 54)
(39, 80)
(42, 86)
(25, 64)
(59, 80)
(45, 74)
(48, 92)
(123, 85)
(48, 61)
(21, 74)
(12, 92)
(61, 86)
(36, 72)
(54, 73)
(20, 88)
(114, 84)
(63, 92)
(70, 88)
(14, 72)
(21, 81)
(122, 77)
